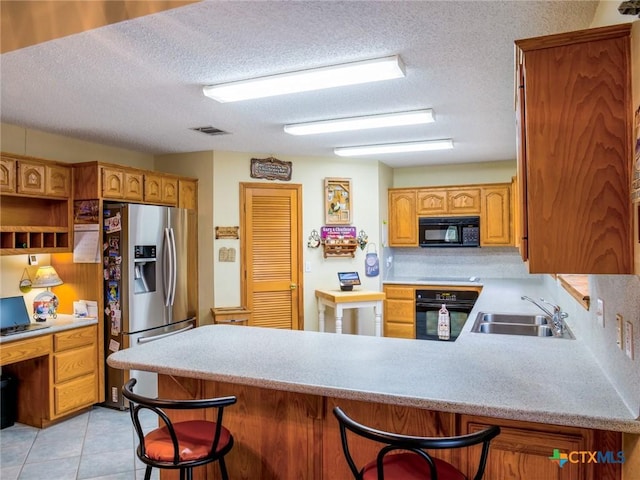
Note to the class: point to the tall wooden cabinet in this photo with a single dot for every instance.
(574, 151)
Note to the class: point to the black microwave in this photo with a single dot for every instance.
(449, 231)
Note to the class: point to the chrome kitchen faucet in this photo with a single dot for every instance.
(557, 317)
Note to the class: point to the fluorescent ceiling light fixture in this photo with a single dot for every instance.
(394, 148)
(365, 71)
(415, 117)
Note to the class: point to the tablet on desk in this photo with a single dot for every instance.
(348, 280)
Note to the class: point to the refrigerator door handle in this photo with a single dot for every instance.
(174, 263)
(167, 268)
(163, 335)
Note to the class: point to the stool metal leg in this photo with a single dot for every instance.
(223, 469)
(147, 473)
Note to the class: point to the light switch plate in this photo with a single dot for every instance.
(600, 312)
(628, 339)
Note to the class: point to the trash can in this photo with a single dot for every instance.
(7, 401)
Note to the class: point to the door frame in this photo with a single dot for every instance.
(244, 186)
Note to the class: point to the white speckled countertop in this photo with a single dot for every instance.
(548, 380)
(63, 322)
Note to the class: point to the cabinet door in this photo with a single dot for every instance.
(112, 183)
(577, 151)
(521, 453)
(399, 311)
(170, 190)
(495, 224)
(152, 188)
(188, 194)
(133, 186)
(7, 175)
(403, 221)
(464, 201)
(58, 181)
(432, 202)
(31, 178)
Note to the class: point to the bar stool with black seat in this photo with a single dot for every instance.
(412, 462)
(179, 445)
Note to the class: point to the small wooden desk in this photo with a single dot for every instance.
(354, 299)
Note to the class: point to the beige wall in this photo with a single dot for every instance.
(34, 143)
(457, 174)
(231, 168)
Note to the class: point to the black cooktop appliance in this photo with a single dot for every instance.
(459, 303)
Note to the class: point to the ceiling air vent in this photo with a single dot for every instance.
(630, 7)
(209, 130)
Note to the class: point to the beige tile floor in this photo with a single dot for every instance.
(96, 445)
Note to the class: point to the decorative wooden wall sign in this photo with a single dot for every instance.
(227, 232)
(271, 169)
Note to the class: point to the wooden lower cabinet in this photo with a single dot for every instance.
(74, 370)
(283, 435)
(399, 311)
(523, 451)
(56, 374)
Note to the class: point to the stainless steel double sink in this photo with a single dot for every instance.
(517, 324)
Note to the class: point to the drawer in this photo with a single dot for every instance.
(402, 311)
(74, 338)
(74, 363)
(399, 330)
(20, 350)
(74, 394)
(408, 293)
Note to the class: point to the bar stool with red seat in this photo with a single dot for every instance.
(180, 445)
(413, 462)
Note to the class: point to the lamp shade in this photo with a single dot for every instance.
(46, 277)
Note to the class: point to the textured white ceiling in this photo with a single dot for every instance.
(138, 84)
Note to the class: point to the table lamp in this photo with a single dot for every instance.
(45, 303)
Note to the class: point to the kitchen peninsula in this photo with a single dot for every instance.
(287, 383)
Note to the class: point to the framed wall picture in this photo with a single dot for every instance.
(338, 203)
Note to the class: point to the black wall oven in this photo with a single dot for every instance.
(449, 231)
(428, 304)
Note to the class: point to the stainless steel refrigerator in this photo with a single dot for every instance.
(146, 282)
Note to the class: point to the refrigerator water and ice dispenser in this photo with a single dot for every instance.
(144, 270)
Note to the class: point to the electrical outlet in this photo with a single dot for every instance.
(600, 312)
(628, 339)
(619, 330)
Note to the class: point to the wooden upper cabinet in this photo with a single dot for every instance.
(7, 175)
(574, 102)
(160, 189)
(58, 181)
(31, 178)
(448, 201)
(120, 183)
(133, 186)
(188, 194)
(431, 201)
(112, 183)
(403, 221)
(495, 221)
(464, 201)
(170, 190)
(152, 188)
